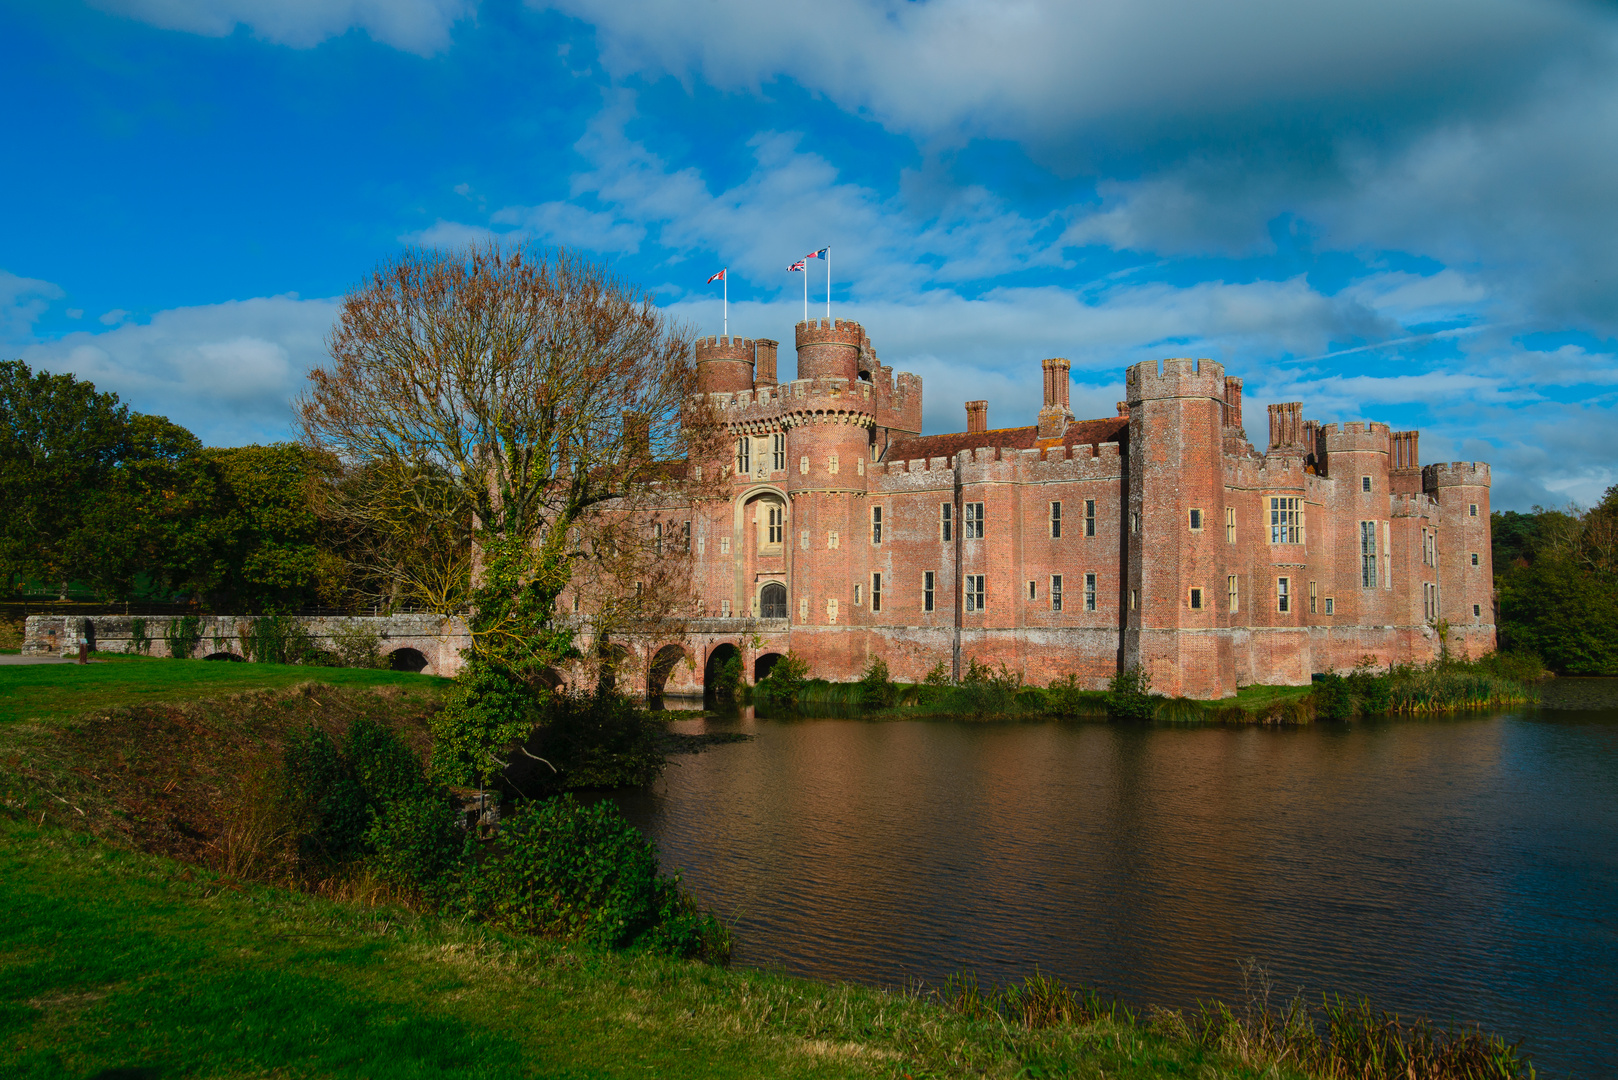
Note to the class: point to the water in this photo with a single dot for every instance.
(1466, 868)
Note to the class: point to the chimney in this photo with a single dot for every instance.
(1123, 409)
(1056, 382)
(764, 361)
(1233, 402)
(1286, 425)
(977, 416)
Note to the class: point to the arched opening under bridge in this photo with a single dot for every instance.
(227, 656)
(762, 666)
(662, 667)
(718, 657)
(407, 659)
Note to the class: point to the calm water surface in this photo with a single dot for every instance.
(1467, 868)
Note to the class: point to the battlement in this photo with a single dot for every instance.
(1455, 474)
(714, 347)
(1356, 437)
(831, 331)
(1177, 377)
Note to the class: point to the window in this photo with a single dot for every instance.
(1056, 520)
(1134, 599)
(974, 521)
(1286, 520)
(876, 592)
(1196, 599)
(1474, 558)
(1365, 483)
(856, 596)
(1471, 509)
(776, 522)
(1089, 517)
(1089, 592)
(1477, 610)
(1056, 592)
(779, 457)
(744, 456)
(927, 591)
(1196, 520)
(876, 524)
(1230, 591)
(1387, 559)
(575, 601)
(1230, 524)
(1033, 591)
(1134, 522)
(1367, 554)
(657, 539)
(1313, 605)
(944, 512)
(685, 536)
(1331, 604)
(772, 601)
(974, 592)
(1283, 594)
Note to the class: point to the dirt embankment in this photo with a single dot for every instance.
(199, 781)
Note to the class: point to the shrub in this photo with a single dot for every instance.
(487, 713)
(1129, 696)
(586, 874)
(727, 681)
(1065, 697)
(182, 636)
(356, 645)
(277, 639)
(876, 688)
(784, 682)
(937, 675)
(138, 641)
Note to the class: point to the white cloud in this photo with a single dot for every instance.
(113, 317)
(22, 302)
(227, 372)
(574, 226)
(418, 26)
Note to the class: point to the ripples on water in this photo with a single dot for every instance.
(1461, 867)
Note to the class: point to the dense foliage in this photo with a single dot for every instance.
(1556, 572)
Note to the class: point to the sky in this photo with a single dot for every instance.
(1393, 210)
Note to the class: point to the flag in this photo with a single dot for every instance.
(718, 277)
(799, 265)
(821, 254)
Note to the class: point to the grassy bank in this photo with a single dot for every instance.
(57, 691)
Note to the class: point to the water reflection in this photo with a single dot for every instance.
(1464, 867)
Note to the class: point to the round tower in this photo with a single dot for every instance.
(724, 365)
(830, 348)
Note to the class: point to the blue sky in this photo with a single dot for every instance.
(1401, 211)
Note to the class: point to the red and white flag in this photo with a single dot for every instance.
(718, 277)
(797, 266)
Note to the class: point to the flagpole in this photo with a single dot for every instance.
(806, 294)
(828, 283)
(726, 322)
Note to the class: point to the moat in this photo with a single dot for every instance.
(1467, 867)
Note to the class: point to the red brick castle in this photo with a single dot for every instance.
(1159, 536)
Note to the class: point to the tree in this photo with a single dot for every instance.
(59, 442)
(543, 393)
(1558, 585)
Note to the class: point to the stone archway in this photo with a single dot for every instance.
(663, 662)
(762, 666)
(407, 659)
(718, 656)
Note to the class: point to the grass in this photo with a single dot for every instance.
(58, 691)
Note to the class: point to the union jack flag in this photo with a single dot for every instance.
(799, 265)
(718, 277)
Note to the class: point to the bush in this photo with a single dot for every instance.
(583, 873)
(1129, 696)
(784, 683)
(727, 681)
(277, 639)
(487, 713)
(877, 690)
(182, 636)
(1066, 698)
(356, 645)
(139, 642)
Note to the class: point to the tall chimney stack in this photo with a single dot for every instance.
(764, 361)
(977, 416)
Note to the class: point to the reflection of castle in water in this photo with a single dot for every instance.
(1159, 536)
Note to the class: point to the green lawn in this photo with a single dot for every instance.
(114, 963)
(56, 691)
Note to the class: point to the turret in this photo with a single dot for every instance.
(830, 347)
(724, 365)
(1465, 567)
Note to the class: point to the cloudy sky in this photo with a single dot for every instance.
(1404, 211)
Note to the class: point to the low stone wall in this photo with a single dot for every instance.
(438, 640)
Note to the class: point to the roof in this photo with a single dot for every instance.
(1078, 433)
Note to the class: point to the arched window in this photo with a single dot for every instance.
(772, 601)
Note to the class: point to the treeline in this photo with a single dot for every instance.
(95, 498)
(1556, 576)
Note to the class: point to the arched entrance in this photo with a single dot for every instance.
(229, 657)
(714, 681)
(407, 660)
(662, 666)
(762, 666)
(772, 601)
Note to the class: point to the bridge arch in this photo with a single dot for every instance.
(407, 659)
(762, 666)
(662, 666)
(718, 656)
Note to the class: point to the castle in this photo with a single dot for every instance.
(1158, 536)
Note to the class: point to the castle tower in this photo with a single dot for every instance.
(1357, 462)
(724, 365)
(1176, 579)
(830, 347)
(1465, 568)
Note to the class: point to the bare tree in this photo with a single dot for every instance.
(533, 386)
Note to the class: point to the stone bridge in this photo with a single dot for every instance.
(427, 643)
